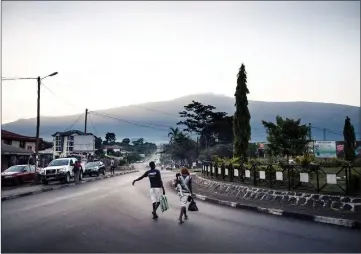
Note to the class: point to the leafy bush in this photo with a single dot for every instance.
(304, 160)
(122, 162)
(355, 183)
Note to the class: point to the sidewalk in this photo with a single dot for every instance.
(209, 190)
(27, 190)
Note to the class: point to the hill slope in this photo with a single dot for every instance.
(152, 120)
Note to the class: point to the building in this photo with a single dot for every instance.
(18, 141)
(11, 155)
(71, 142)
(115, 148)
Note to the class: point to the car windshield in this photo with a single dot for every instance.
(92, 164)
(15, 169)
(58, 163)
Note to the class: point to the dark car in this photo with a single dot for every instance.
(94, 168)
(18, 174)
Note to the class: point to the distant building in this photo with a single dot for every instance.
(16, 149)
(115, 148)
(18, 141)
(73, 142)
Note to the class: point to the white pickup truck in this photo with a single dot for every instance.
(59, 170)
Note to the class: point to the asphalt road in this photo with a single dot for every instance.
(114, 216)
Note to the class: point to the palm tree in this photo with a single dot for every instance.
(173, 134)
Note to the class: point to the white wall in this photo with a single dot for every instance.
(16, 143)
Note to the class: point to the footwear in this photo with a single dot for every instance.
(155, 216)
(186, 217)
(180, 220)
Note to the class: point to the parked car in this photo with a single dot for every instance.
(18, 174)
(94, 168)
(59, 170)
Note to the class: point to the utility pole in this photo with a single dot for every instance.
(37, 127)
(38, 79)
(324, 134)
(86, 120)
(309, 132)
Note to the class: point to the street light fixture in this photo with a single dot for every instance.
(38, 114)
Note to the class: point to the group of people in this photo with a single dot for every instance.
(183, 183)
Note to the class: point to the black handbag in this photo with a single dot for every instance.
(193, 206)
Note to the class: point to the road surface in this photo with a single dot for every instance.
(114, 216)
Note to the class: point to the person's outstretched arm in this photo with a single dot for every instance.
(140, 178)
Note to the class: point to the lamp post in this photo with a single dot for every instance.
(39, 79)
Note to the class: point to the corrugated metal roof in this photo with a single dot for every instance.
(12, 150)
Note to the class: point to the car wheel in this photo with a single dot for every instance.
(45, 182)
(67, 178)
(98, 174)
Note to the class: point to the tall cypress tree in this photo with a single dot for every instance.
(242, 117)
(350, 140)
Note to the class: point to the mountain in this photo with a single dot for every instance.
(152, 120)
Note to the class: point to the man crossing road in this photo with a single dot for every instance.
(156, 186)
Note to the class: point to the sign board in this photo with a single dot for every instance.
(325, 149)
(84, 143)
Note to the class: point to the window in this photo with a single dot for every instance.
(8, 142)
(22, 144)
(70, 145)
(29, 148)
(58, 144)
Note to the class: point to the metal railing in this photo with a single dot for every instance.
(336, 180)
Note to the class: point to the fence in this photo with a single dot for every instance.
(336, 180)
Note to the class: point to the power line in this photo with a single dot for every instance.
(126, 121)
(66, 101)
(7, 79)
(74, 123)
(91, 122)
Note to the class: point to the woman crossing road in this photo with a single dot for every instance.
(184, 188)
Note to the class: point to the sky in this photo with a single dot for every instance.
(112, 54)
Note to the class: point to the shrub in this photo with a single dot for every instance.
(122, 162)
(355, 183)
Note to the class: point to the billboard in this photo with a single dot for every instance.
(84, 143)
(325, 149)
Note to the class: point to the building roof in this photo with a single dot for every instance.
(12, 150)
(71, 132)
(112, 147)
(14, 136)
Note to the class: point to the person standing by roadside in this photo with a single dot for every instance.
(184, 188)
(112, 166)
(156, 186)
(76, 170)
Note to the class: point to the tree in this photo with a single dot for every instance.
(242, 117)
(201, 119)
(222, 129)
(98, 143)
(286, 137)
(126, 141)
(110, 138)
(99, 153)
(138, 142)
(350, 140)
(173, 133)
(253, 150)
(110, 151)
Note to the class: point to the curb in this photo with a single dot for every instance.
(301, 216)
(30, 193)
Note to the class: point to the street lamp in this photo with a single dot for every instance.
(38, 113)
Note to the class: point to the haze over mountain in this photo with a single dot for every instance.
(153, 120)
